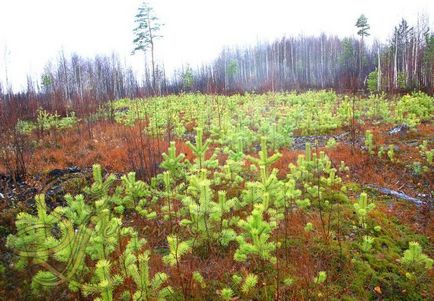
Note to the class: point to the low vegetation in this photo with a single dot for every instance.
(249, 197)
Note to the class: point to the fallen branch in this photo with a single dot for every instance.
(397, 194)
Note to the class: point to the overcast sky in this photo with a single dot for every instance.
(195, 31)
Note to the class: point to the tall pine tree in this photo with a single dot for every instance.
(363, 27)
(145, 33)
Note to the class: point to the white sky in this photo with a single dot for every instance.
(195, 31)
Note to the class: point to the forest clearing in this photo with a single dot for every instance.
(216, 150)
(270, 196)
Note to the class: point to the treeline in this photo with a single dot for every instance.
(74, 84)
(404, 63)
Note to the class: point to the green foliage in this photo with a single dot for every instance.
(83, 236)
(369, 142)
(134, 190)
(135, 193)
(67, 122)
(413, 258)
(230, 173)
(255, 238)
(105, 282)
(264, 160)
(187, 78)
(25, 127)
(402, 80)
(199, 279)
(308, 227)
(100, 187)
(35, 239)
(46, 121)
(205, 217)
(372, 81)
(278, 134)
(236, 121)
(46, 80)
(309, 168)
(377, 108)
(413, 109)
(428, 155)
(227, 294)
(137, 267)
(391, 152)
(237, 279)
(362, 26)
(288, 281)
(303, 204)
(348, 55)
(44, 280)
(367, 243)
(249, 283)
(177, 249)
(232, 68)
(215, 208)
(331, 143)
(416, 168)
(173, 163)
(343, 168)
(321, 278)
(147, 28)
(200, 149)
(381, 152)
(362, 208)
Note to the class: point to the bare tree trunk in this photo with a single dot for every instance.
(153, 66)
(151, 42)
(378, 71)
(395, 68)
(360, 60)
(7, 88)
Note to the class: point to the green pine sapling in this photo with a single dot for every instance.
(321, 278)
(177, 249)
(269, 189)
(147, 288)
(415, 261)
(264, 160)
(105, 282)
(198, 278)
(367, 243)
(331, 143)
(135, 196)
(173, 163)
(100, 187)
(226, 294)
(205, 217)
(362, 208)
(169, 194)
(200, 148)
(84, 236)
(249, 283)
(381, 152)
(391, 153)
(308, 227)
(255, 238)
(369, 142)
